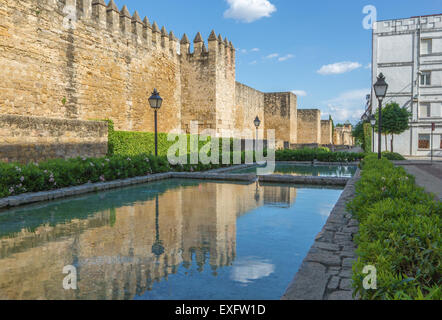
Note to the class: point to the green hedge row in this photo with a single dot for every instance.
(399, 234)
(317, 154)
(59, 173)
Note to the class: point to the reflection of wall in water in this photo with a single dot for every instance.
(115, 260)
(279, 196)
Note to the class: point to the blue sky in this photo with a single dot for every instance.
(319, 49)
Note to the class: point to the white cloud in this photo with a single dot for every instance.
(249, 10)
(368, 66)
(300, 93)
(255, 50)
(349, 105)
(253, 62)
(286, 57)
(339, 67)
(272, 56)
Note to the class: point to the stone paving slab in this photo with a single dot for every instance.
(325, 273)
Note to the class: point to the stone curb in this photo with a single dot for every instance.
(28, 198)
(325, 273)
(325, 181)
(228, 169)
(215, 176)
(317, 163)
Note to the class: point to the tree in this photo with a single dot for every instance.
(358, 133)
(395, 120)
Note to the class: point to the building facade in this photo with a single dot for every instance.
(409, 53)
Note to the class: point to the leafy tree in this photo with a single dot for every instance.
(395, 119)
(358, 133)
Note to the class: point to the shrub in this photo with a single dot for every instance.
(58, 173)
(393, 156)
(324, 155)
(400, 234)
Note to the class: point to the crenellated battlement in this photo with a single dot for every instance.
(120, 23)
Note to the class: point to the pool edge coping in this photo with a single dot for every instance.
(326, 271)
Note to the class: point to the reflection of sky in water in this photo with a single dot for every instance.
(221, 241)
(247, 269)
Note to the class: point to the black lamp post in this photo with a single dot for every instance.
(257, 123)
(373, 124)
(380, 89)
(155, 102)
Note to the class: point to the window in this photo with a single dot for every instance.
(426, 46)
(424, 141)
(424, 110)
(426, 78)
(436, 110)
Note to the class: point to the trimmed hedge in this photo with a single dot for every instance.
(317, 154)
(59, 173)
(393, 156)
(399, 234)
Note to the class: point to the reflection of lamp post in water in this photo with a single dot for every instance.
(257, 196)
(157, 248)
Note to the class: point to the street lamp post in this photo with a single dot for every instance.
(155, 102)
(380, 89)
(257, 123)
(373, 124)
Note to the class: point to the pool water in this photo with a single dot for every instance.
(307, 170)
(173, 239)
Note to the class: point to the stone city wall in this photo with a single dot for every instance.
(326, 132)
(343, 136)
(249, 105)
(309, 126)
(280, 110)
(25, 139)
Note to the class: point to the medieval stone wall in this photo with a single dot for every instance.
(309, 126)
(83, 59)
(280, 109)
(32, 139)
(249, 104)
(343, 136)
(104, 65)
(326, 132)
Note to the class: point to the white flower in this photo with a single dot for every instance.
(22, 179)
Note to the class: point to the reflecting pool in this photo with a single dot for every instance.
(173, 239)
(307, 170)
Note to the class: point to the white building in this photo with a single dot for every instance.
(409, 53)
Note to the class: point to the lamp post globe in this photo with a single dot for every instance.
(257, 123)
(156, 102)
(380, 89)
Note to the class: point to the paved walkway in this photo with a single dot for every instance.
(325, 273)
(427, 176)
